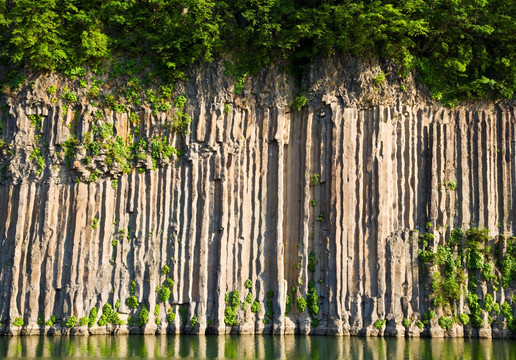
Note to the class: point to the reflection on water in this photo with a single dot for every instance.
(251, 347)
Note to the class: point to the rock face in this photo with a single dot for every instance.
(263, 192)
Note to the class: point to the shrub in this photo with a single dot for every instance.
(51, 321)
(171, 315)
(83, 321)
(299, 102)
(464, 319)
(133, 286)
(164, 293)
(380, 323)
(165, 270)
(488, 302)
(169, 283)
(132, 302)
(248, 284)
(301, 304)
(314, 179)
(70, 323)
(18, 322)
(143, 316)
(405, 322)
(255, 307)
(445, 322)
(230, 317)
(193, 321)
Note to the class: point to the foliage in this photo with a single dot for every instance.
(132, 302)
(464, 319)
(380, 323)
(83, 321)
(193, 321)
(52, 321)
(255, 307)
(70, 323)
(171, 315)
(248, 284)
(165, 270)
(299, 102)
(164, 293)
(312, 299)
(182, 313)
(288, 305)
(143, 316)
(301, 304)
(445, 322)
(476, 311)
(405, 322)
(92, 318)
(169, 283)
(18, 322)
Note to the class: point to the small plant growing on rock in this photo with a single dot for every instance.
(83, 321)
(193, 321)
(248, 284)
(379, 79)
(169, 283)
(51, 321)
(380, 323)
(18, 322)
(132, 302)
(405, 322)
(464, 319)
(70, 323)
(165, 270)
(51, 90)
(94, 223)
(445, 322)
(314, 179)
(299, 102)
(143, 316)
(301, 304)
(255, 307)
(164, 293)
(171, 315)
(133, 286)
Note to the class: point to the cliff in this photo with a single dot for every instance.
(331, 197)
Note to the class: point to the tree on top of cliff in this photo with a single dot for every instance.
(461, 49)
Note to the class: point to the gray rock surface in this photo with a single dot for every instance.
(238, 205)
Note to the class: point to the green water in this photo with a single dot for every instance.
(251, 347)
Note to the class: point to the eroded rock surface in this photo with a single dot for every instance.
(243, 203)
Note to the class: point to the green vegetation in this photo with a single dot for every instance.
(380, 323)
(132, 302)
(461, 50)
(464, 319)
(405, 322)
(299, 102)
(171, 315)
(52, 321)
(18, 322)
(169, 283)
(248, 284)
(70, 323)
(165, 270)
(193, 321)
(133, 286)
(164, 293)
(143, 316)
(301, 304)
(255, 307)
(230, 312)
(445, 322)
(109, 316)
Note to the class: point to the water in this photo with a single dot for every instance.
(250, 347)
